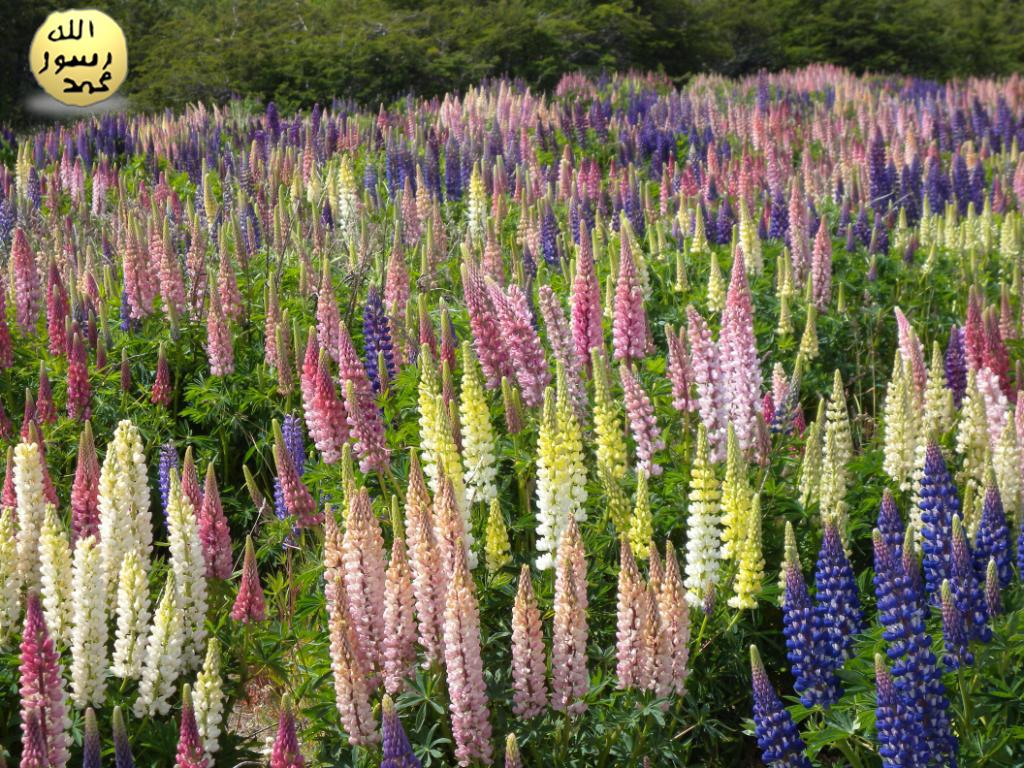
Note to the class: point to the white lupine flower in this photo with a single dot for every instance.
(189, 570)
(125, 522)
(477, 434)
(476, 209)
(163, 656)
(703, 537)
(89, 626)
(347, 215)
(208, 700)
(10, 578)
(55, 576)
(429, 402)
(900, 434)
(1006, 463)
(133, 615)
(28, 486)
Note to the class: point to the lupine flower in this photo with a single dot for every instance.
(529, 695)
(163, 656)
(209, 700)
(133, 616)
(673, 628)
(85, 510)
(470, 718)
(490, 347)
(41, 689)
(570, 678)
(968, 589)
(736, 496)
(298, 502)
(751, 560)
(26, 281)
(529, 365)
(585, 299)
(189, 568)
(286, 752)
(125, 522)
(496, 544)
(428, 580)
(740, 369)
(703, 545)
(993, 598)
(161, 393)
(122, 746)
(397, 749)
(45, 410)
(889, 522)
(55, 576)
(641, 526)
(894, 725)
(399, 654)
(364, 417)
(79, 391)
(478, 453)
(992, 539)
(642, 424)
(630, 335)
(10, 578)
(632, 617)
(707, 373)
(213, 531)
(218, 339)
(939, 503)
(363, 554)
(28, 486)
(190, 752)
(777, 734)
(560, 339)
(812, 657)
(512, 756)
(954, 631)
(325, 413)
(821, 267)
(377, 338)
(89, 627)
(610, 448)
(249, 604)
(838, 605)
(91, 747)
(901, 433)
(679, 369)
(33, 743)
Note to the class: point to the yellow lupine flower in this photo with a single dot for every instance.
(736, 495)
(641, 527)
(750, 576)
(496, 544)
(477, 435)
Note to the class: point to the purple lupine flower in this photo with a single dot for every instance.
(895, 730)
(917, 680)
(889, 521)
(777, 734)
(642, 423)
(168, 461)
(954, 632)
(397, 749)
(811, 657)
(939, 503)
(879, 183)
(91, 747)
(122, 745)
(968, 590)
(956, 366)
(377, 338)
(992, 539)
(837, 603)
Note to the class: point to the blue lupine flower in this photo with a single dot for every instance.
(862, 227)
(896, 731)
(956, 366)
(967, 588)
(778, 222)
(812, 657)
(91, 748)
(837, 602)
(879, 186)
(889, 521)
(939, 503)
(777, 734)
(377, 338)
(549, 235)
(397, 749)
(911, 562)
(954, 632)
(992, 539)
(168, 461)
(291, 429)
(917, 680)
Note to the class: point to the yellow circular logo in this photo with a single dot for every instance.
(79, 57)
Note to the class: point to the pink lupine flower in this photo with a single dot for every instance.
(741, 370)
(471, 725)
(997, 407)
(364, 417)
(630, 336)
(85, 509)
(328, 318)
(821, 266)
(249, 606)
(213, 530)
(530, 692)
(642, 424)
(674, 627)
(161, 392)
(680, 371)
(516, 321)
(270, 323)
(363, 556)
(560, 339)
(42, 691)
(308, 373)
(428, 580)
(79, 391)
(974, 332)
(33, 744)
(632, 619)
(218, 340)
(799, 251)
(286, 752)
(9, 496)
(6, 345)
(190, 480)
(570, 678)
(49, 491)
(491, 349)
(326, 418)
(227, 287)
(994, 356)
(297, 498)
(707, 373)
(911, 350)
(28, 417)
(26, 281)
(195, 270)
(191, 753)
(587, 332)
(163, 257)
(126, 371)
(46, 412)
(399, 621)
(56, 312)
(396, 284)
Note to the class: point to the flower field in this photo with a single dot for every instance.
(624, 425)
